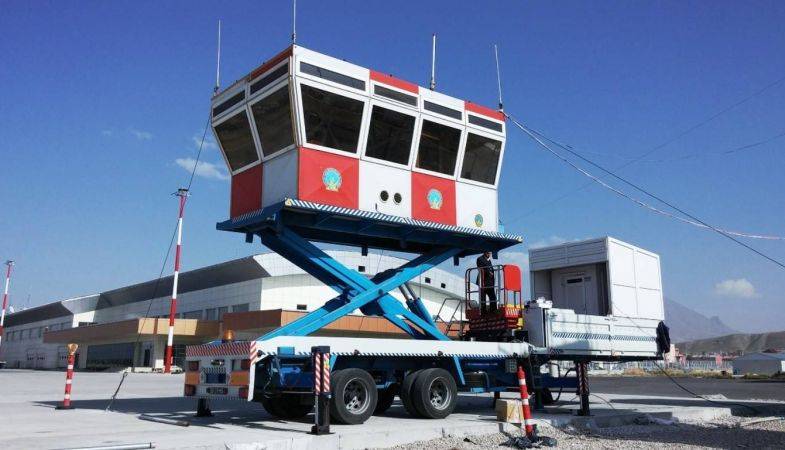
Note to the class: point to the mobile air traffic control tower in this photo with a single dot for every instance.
(323, 151)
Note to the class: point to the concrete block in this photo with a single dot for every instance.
(509, 411)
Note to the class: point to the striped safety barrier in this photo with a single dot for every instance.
(528, 422)
(320, 356)
(69, 376)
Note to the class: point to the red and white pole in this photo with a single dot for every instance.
(183, 194)
(69, 376)
(528, 422)
(10, 264)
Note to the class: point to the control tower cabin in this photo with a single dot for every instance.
(310, 127)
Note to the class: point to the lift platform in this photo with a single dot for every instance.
(289, 228)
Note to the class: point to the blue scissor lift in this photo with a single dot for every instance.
(283, 374)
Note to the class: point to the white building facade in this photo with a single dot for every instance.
(260, 282)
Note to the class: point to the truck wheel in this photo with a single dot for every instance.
(386, 398)
(405, 393)
(272, 405)
(434, 394)
(354, 396)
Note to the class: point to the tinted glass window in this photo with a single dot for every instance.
(273, 117)
(390, 135)
(395, 95)
(237, 141)
(331, 120)
(237, 98)
(491, 125)
(438, 148)
(330, 75)
(270, 77)
(443, 110)
(481, 159)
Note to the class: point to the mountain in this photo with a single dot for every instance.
(735, 343)
(688, 325)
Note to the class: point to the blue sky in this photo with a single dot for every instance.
(101, 99)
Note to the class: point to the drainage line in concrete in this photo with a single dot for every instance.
(141, 446)
(180, 423)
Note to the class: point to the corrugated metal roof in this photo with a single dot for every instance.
(762, 356)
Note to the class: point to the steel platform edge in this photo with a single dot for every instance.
(346, 226)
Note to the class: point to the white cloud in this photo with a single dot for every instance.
(107, 133)
(209, 142)
(553, 240)
(521, 259)
(740, 288)
(140, 134)
(203, 168)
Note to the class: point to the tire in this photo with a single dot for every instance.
(273, 406)
(405, 393)
(385, 400)
(286, 406)
(435, 393)
(354, 396)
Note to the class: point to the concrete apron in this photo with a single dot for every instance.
(462, 424)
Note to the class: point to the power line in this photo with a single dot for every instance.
(153, 296)
(640, 203)
(665, 143)
(646, 205)
(694, 155)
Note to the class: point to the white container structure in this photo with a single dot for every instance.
(598, 297)
(311, 127)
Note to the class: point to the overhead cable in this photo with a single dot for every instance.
(153, 296)
(665, 143)
(694, 155)
(692, 220)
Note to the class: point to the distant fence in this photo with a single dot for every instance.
(653, 366)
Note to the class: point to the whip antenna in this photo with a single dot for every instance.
(433, 63)
(218, 62)
(498, 77)
(294, 22)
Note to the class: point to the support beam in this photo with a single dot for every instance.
(356, 291)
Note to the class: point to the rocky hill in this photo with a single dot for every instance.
(688, 325)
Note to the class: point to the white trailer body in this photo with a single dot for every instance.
(598, 297)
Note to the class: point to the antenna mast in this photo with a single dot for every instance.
(294, 22)
(433, 63)
(498, 77)
(218, 64)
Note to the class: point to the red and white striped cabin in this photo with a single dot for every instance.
(312, 127)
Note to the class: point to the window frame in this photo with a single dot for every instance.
(415, 135)
(337, 91)
(490, 135)
(490, 119)
(374, 96)
(269, 90)
(461, 143)
(335, 65)
(253, 97)
(237, 110)
(228, 93)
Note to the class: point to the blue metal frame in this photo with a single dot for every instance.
(355, 291)
(288, 228)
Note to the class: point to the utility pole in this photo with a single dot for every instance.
(10, 264)
(182, 193)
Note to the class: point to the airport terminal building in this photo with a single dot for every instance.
(251, 295)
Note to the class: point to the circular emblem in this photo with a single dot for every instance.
(478, 220)
(331, 179)
(435, 199)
